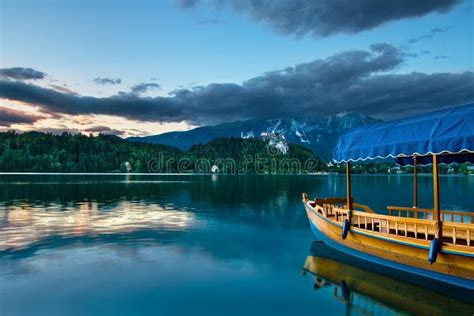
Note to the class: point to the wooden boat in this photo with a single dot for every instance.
(371, 291)
(434, 243)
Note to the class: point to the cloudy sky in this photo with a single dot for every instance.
(146, 67)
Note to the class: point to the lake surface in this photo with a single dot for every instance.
(175, 244)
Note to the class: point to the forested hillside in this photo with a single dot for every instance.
(39, 152)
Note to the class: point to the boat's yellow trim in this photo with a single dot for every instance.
(409, 251)
(402, 239)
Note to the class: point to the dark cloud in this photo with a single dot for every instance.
(20, 73)
(98, 129)
(62, 89)
(127, 105)
(358, 80)
(104, 81)
(10, 116)
(328, 17)
(104, 130)
(441, 57)
(144, 87)
(428, 36)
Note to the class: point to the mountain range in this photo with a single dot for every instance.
(319, 134)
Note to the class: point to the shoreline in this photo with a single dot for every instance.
(217, 174)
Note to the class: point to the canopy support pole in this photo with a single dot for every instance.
(415, 184)
(436, 207)
(348, 185)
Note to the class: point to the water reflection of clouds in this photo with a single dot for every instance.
(126, 180)
(22, 224)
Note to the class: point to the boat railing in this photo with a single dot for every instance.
(362, 207)
(399, 226)
(460, 233)
(421, 213)
(420, 229)
(328, 204)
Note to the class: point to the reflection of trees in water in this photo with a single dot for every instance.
(105, 188)
(51, 211)
(257, 198)
(240, 189)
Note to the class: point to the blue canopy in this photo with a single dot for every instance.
(444, 132)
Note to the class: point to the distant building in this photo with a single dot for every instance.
(128, 166)
(395, 170)
(470, 169)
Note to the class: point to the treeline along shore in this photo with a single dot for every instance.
(40, 152)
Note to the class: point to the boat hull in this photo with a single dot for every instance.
(392, 254)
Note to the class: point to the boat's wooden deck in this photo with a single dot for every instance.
(414, 223)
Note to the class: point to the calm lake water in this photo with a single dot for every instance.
(162, 245)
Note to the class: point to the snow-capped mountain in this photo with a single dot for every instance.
(319, 133)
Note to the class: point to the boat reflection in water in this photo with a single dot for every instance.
(368, 289)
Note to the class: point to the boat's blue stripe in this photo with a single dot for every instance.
(389, 240)
(426, 273)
